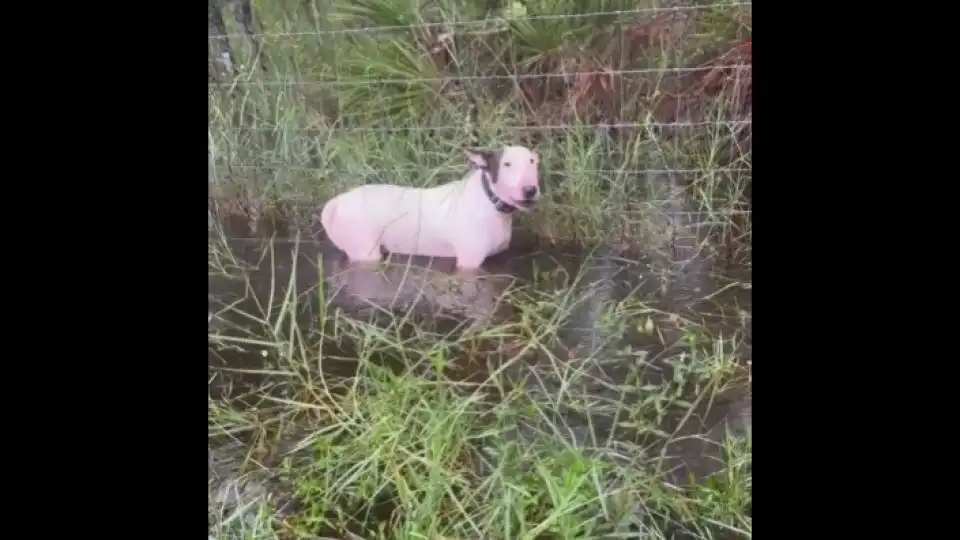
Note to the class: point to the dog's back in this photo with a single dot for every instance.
(400, 219)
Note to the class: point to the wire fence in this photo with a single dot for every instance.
(419, 170)
(294, 126)
(567, 75)
(573, 77)
(438, 128)
(449, 25)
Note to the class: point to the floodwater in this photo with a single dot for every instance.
(252, 274)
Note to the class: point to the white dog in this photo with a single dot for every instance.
(469, 219)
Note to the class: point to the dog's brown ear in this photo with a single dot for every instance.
(479, 158)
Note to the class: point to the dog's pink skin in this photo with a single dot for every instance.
(452, 220)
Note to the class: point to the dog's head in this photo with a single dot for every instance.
(514, 174)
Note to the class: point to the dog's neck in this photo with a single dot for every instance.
(502, 206)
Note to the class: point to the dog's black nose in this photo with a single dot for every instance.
(529, 192)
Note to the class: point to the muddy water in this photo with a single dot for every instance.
(252, 276)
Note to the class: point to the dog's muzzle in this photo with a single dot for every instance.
(525, 204)
(531, 194)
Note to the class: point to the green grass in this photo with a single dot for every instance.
(437, 436)
(433, 435)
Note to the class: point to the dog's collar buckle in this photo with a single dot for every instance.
(502, 206)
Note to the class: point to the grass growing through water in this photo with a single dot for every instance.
(417, 441)
(396, 431)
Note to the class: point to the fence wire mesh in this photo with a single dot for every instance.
(632, 107)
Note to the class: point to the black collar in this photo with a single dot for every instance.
(502, 206)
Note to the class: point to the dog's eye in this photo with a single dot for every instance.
(507, 164)
(531, 161)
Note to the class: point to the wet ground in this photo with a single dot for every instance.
(252, 272)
